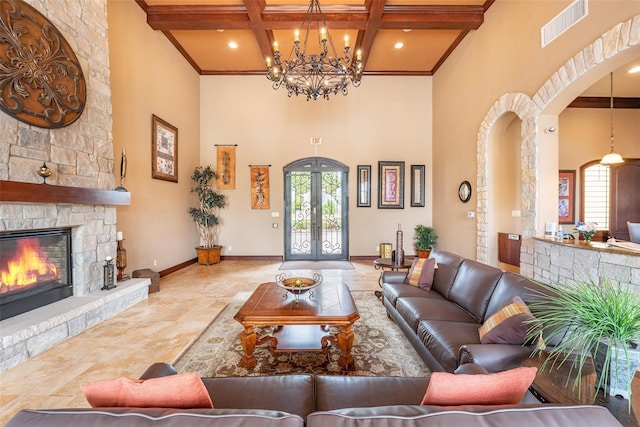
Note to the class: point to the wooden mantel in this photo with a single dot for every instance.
(25, 192)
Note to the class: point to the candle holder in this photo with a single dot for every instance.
(121, 261)
(108, 274)
(44, 172)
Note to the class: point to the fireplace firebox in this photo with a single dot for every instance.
(35, 269)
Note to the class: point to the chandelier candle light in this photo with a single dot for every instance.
(315, 75)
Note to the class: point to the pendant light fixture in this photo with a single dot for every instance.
(612, 157)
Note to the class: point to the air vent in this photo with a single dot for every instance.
(563, 21)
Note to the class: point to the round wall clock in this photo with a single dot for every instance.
(464, 191)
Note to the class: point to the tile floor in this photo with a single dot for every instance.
(155, 330)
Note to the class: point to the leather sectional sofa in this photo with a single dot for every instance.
(442, 323)
(321, 401)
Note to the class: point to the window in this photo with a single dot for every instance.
(595, 194)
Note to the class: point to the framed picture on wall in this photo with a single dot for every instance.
(390, 185)
(417, 185)
(364, 186)
(566, 197)
(164, 150)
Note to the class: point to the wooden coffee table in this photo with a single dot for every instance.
(551, 386)
(302, 324)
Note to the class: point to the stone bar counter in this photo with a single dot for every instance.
(550, 261)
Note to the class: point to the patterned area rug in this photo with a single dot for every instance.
(379, 349)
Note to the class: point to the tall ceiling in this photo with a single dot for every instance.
(430, 30)
(202, 30)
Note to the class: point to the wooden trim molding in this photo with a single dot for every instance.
(26, 192)
(604, 102)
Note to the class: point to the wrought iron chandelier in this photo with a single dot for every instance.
(315, 75)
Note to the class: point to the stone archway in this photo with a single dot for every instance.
(527, 111)
(618, 39)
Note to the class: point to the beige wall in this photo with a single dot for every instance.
(149, 76)
(386, 118)
(503, 56)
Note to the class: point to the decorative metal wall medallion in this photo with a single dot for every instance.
(41, 81)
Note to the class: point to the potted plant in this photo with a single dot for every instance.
(205, 215)
(425, 239)
(590, 319)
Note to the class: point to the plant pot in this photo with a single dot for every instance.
(208, 256)
(423, 253)
(621, 370)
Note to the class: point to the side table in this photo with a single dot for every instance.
(388, 264)
(551, 386)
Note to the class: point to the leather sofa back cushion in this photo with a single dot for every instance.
(138, 417)
(174, 391)
(338, 392)
(294, 392)
(502, 388)
(448, 265)
(464, 416)
(473, 287)
(510, 285)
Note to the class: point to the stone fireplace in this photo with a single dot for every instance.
(77, 196)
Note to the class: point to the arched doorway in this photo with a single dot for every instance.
(540, 177)
(316, 210)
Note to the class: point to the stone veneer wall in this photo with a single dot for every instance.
(557, 263)
(79, 155)
(618, 39)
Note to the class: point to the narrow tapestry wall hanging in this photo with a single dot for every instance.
(226, 167)
(260, 187)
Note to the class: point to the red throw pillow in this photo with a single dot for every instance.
(502, 388)
(174, 391)
(508, 325)
(421, 273)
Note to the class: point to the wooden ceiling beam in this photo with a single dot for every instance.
(264, 37)
(366, 38)
(433, 17)
(255, 14)
(604, 102)
(169, 18)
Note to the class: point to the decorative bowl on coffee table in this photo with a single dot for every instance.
(298, 285)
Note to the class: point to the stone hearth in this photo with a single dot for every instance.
(31, 333)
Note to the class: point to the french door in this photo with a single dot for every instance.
(316, 210)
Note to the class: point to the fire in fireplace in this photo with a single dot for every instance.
(35, 269)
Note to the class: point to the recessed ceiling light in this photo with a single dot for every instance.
(635, 69)
(220, 30)
(407, 30)
(233, 45)
(398, 45)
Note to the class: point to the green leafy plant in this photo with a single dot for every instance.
(425, 237)
(585, 318)
(205, 215)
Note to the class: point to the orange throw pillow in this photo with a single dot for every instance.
(174, 391)
(502, 388)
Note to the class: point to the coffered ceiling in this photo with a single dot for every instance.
(202, 30)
